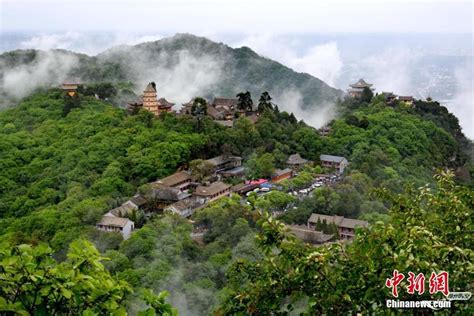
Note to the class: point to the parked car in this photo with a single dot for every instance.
(265, 190)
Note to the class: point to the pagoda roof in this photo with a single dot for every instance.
(163, 103)
(190, 103)
(361, 84)
(225, 101)
(149, 88)
(389, 94)
(405, 98)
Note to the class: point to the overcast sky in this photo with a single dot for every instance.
(257, 16)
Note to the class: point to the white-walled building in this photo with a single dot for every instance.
(110, 223)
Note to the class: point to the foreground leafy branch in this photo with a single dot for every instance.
(430, 230)
(33, 283)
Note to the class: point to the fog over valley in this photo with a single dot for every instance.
(406, 64)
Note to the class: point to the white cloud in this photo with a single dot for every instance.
(51, 41)
(463, 103)
(391, 70)
(50, 68)
(321, 61)
(185, 77)
(84, 42)
(317, 115)
(277, 16)
(134, 40)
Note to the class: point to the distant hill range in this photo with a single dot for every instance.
(183, 66)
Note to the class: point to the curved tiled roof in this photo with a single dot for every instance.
(361, 84)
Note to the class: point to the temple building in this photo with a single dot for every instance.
(225, 103)
(334, 162)
(296, 162)
(409, 100)
(358, 87)
(111, 223)
(206, 194)
(187, 107)
(390, 98)
(280, 175)
(150, 102)
(345, 226)
(70, 88)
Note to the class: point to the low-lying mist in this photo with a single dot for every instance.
(49, 68)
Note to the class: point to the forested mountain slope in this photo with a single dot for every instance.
(62, 170)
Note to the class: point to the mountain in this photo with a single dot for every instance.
(183, 66)
(62, 170)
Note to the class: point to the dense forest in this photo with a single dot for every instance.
(64, 164)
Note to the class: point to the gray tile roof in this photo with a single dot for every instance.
(340, 221)
(309, 235)
(212, 189)
(361, 84)
(220, 160)
(124, 209)
(296, 159)
(174, 179)
(331, 158)
(225, 101)
(114, 221)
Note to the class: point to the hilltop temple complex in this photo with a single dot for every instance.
(358, 87)
(150, 102)
(391, 99)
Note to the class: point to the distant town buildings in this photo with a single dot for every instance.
(357, 88)
(346, 226)
(334, 162)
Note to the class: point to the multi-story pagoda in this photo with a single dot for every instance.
(150, 102)
(358, 87)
